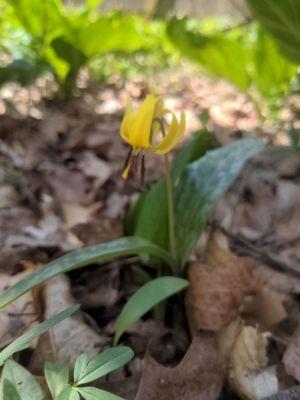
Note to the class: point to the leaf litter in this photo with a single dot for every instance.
(242, 313)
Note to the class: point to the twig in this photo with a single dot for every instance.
(248, 249)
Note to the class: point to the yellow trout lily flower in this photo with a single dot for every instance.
(144, 130)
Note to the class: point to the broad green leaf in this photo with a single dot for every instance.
(152, 205)
(282, 20)
(118, 32)
(80, 258)
(148, 296)
(80, 366)
(202, 184)
(43, 20)
(23, 382)
(272, 83)
(23, 341)
(223, 56)
(57, 377)
(92, 393)
(107, 361)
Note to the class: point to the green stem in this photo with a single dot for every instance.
(169, 186)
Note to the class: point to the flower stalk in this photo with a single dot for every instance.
(171, 221)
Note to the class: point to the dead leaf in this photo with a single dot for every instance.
(216, 292)
(226, 339)
(100, 230)
(291, 357)
(265, 308)
(19, 316)
(247, 366)
(95, 167)
(75, 213)
(198, 376)
(73, 336)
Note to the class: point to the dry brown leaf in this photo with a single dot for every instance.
(265, 308)
(198, 376)
(73, 336)
(216, 293)
(19, 316)
(247, 366)
(226, 339)
(75, 213)
(291, 357)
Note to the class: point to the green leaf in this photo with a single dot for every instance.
(22, 71)
(57, 377)
(23, 341)
(43, 20)
(202, 184)
(106, 362)
(272, 83)
(92, 393)
(9, 391)
(80, 258)
(282, 20)
(148, 296)
(24, 384)
(80, 366)
(222, 55)
(152, 205)
(68, 393)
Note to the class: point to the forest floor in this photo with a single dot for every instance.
(61, 189)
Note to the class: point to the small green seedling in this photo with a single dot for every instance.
(17, 383)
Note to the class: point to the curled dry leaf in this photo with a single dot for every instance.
(291, 357)
(216, 293)
(247, 366)
(198, 376)
(265, 308)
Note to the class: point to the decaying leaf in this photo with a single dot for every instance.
(226, 339)
(18, 316)
(291, 357)
(265, 308)
(73, 336)
(248, 373)
(217, 289)
(198, 376)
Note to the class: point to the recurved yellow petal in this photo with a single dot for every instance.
(173, 135)
(140, 127)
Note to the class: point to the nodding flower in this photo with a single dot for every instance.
(146, 129)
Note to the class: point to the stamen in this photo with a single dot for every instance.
(128, 158)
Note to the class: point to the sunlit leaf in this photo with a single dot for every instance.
(282, 20)
(218, 54)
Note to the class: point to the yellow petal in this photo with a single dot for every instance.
(137, 124)
(173, 135)
(126, 122)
